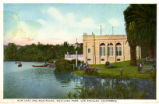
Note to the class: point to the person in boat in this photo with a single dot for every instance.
(19, 64)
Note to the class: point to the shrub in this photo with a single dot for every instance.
(108, 65)
(91, 71)
(63, 66)
(154, 75)
(74, 61)
(51, 60)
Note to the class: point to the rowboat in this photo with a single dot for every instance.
(39, 65)
(20, 65)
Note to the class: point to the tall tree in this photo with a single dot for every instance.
(145, 19)
(141, 27)
(131, 34)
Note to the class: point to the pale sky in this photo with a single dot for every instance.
(56, 23)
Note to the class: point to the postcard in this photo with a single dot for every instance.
(59, 52)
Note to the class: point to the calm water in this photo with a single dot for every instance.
(31, 82)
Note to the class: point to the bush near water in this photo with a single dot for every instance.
(91, 71)
(65, 65)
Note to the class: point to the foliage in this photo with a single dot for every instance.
(128, 71)
(38, 52)
(119, 91)
(154, 75)
(63, 66)
(11, 52)
(74, 61)
(108, 65)
(140, 28)
(91, 71)
(141, 23)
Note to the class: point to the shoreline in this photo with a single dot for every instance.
(111, 77)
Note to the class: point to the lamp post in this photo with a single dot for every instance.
(76, 45)
(76, 58)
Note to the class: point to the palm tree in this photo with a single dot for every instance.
(145, 19)
(131, 34)
(141, 27)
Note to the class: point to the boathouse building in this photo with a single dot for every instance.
(97, 49)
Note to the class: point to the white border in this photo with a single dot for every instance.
(122, 101)
(157, 78)
(1, 50)
(80, 1)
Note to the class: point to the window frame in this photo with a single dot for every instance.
(89, 50)
(102, 49)
(110, 49)
(118, 49)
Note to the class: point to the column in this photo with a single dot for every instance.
(85, 51)
(106, 52)
(114, 51)
(123, 54)
(97, 53)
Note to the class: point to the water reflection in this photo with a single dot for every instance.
(63, 78)
(29, 82)
(143, 85)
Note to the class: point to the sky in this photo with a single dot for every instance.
(55, 23)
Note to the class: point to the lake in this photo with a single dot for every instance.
(33, 82)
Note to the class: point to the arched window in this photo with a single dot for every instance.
(89, 50)
(102, 49)
(110, 49)
(118, 49)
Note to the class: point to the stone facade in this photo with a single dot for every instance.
(97, 49)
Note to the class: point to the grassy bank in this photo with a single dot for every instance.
(128, 71)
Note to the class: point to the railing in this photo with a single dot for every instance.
(74, 56)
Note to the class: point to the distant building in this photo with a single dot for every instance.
(97, 49)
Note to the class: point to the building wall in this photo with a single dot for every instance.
(93, 42)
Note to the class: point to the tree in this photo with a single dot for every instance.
(131, 34)
(141, 27)
(146, 24)
(11, 52)
(39, 52)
